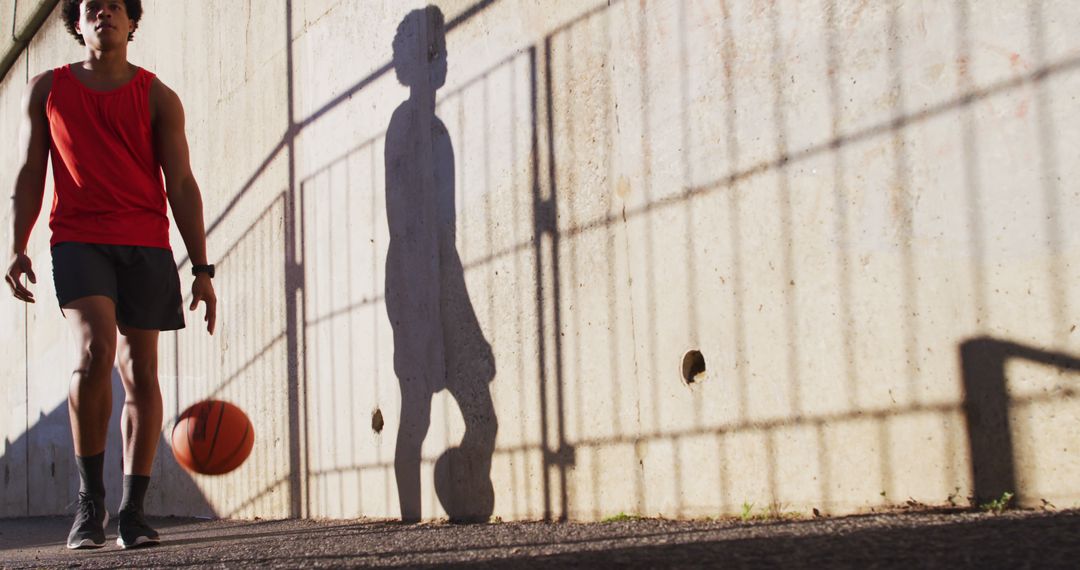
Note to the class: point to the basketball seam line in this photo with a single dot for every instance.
(226, 460)
(217, 430)
(191, 446)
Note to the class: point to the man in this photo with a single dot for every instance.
(112, 130)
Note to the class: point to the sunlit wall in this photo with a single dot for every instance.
(481, 294)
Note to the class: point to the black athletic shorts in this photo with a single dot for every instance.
(141, 281)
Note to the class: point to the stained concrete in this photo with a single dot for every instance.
(839, 204)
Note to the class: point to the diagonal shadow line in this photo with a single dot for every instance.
(321, 170)
(838, 141)
(386, 68)
(901, 122)
(762, 426)
(290, 135)
(281, 145)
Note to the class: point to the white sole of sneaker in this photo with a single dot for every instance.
(86, 542)
(140, 541)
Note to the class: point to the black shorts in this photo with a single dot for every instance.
(141, 281)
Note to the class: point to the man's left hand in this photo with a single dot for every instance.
(203, 290)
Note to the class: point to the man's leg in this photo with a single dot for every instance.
(141, 418)
(141, 428)
(93, 320)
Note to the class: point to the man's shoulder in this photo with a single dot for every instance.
(43, 78)
(38, 87)
(164, 103)
(46, 77)
(159, 90)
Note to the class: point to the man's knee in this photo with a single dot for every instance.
(97, 353)
(138, 369)
(90, 381)
(142, 387)
(138, 355)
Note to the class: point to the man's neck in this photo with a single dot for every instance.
(111, 63)
(423, 98)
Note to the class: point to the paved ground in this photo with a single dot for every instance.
(1015, 539)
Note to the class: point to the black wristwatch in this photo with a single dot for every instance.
(207, 269)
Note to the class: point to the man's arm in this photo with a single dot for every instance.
(182, 190)
(33, 148)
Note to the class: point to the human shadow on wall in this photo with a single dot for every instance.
(41, 462)
(438, 343)
(986, 410)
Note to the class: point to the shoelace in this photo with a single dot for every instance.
(86, 502)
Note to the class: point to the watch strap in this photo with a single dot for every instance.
(207, 269)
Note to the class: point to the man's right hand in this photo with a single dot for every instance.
(20, 265)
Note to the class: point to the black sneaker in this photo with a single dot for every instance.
(90, 520)
(134, 531)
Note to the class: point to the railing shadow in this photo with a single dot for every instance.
(425, 277)
(987, 408)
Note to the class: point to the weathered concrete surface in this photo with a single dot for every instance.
(858, 212)
(24, 21)
(1013, 540)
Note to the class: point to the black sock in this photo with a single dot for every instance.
(91, 474)
(134, 491)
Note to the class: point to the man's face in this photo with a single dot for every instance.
(104, 23)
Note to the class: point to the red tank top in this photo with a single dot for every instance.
(107, 179)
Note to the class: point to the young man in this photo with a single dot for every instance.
(112, 129)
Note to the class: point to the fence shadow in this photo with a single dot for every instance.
(589, 210)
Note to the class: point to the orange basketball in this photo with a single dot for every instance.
(212, 437)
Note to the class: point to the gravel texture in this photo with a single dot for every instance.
(1015, 539)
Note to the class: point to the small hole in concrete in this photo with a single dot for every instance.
(693, 367)
(377, 421)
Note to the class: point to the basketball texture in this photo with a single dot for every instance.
(212, 437)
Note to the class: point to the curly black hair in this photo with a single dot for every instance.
(408, 59)
(69, 13)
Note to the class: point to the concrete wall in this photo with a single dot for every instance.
(859, 213)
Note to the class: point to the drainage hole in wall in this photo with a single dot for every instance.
(693, 367)
(377, 421)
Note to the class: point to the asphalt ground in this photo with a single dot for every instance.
(927, 539)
